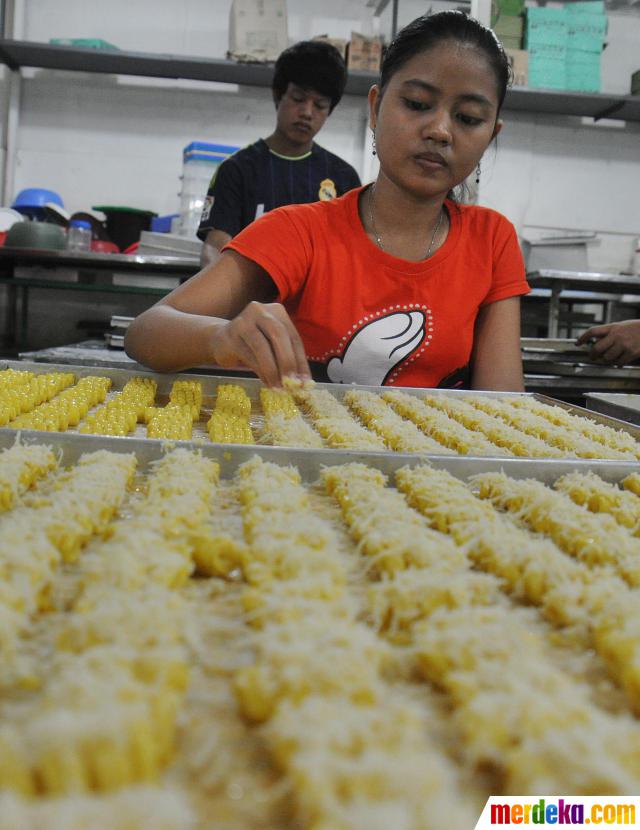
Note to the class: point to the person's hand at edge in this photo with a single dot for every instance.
(617, 343)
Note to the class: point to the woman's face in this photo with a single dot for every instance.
(436, 118)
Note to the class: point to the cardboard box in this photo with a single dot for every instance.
(510, 44)
(519, 62)
(257, 30)
(339, 43)
(508, 26)
(364, 53)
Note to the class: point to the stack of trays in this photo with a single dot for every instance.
(621, 406)
(562, 368)
(313, 637)
(115, 339)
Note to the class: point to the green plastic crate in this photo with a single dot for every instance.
(587, 7)
(84, 42)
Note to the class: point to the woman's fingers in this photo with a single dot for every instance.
(265, 340)
(297, 355)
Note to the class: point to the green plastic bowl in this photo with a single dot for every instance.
(35, 235)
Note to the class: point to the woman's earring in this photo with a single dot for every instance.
(478, 173)
(373, 143)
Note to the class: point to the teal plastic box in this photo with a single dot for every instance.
(583, 71)
(84, 43)
(547, 26)
(541, 53)
(548, 78)
(548, 66)
(587, 32)
(588, 7)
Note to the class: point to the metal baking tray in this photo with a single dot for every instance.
(114, 341)
(541, 363)
(576, 384)
(552, 347)
(118, 321)
(624, 407)
(252, 386)
(310, 463)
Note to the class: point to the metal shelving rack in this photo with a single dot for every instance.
(18, 54)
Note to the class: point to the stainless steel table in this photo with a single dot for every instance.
(88, 272)
(96, 353)
(612, 286)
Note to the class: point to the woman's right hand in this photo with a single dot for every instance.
(263, 338)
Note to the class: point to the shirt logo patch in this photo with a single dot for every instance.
(327, 190)
(378, 348)
(206, 208)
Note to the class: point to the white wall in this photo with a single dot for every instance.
(114, 140)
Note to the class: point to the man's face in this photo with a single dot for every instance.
(302, 113)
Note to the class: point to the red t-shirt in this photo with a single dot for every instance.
(367, 317)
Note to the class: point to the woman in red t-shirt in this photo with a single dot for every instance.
(393, 283)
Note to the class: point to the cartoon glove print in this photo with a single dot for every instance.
(377, 348)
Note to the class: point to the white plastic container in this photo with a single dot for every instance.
(200, 161)
(79, 236)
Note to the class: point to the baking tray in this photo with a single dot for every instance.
(541, 363)
(576, 384)
(615, 405)
(252, 387)
(118, 321)
(114, 341)
(310, 463)
(550, 347)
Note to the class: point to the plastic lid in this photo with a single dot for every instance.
(80, 223)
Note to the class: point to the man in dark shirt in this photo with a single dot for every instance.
(288, 167)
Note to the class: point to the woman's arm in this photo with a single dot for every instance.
(213, 243)
(225, 315)
(497, 358)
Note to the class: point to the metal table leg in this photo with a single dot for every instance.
(24, 317)
(11, 318)
(554, 311)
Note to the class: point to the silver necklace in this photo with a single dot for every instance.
(378, 238)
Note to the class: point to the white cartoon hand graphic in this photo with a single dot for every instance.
(377, 348)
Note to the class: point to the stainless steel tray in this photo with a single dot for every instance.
(118, 321)
(115, 341)
(252, 387)
(211, 382)
(552, 348)
(310, 463)
(624, 407)
(540, 362)
(575, 384)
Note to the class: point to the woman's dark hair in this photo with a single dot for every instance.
(311, 64)
(430, 30)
